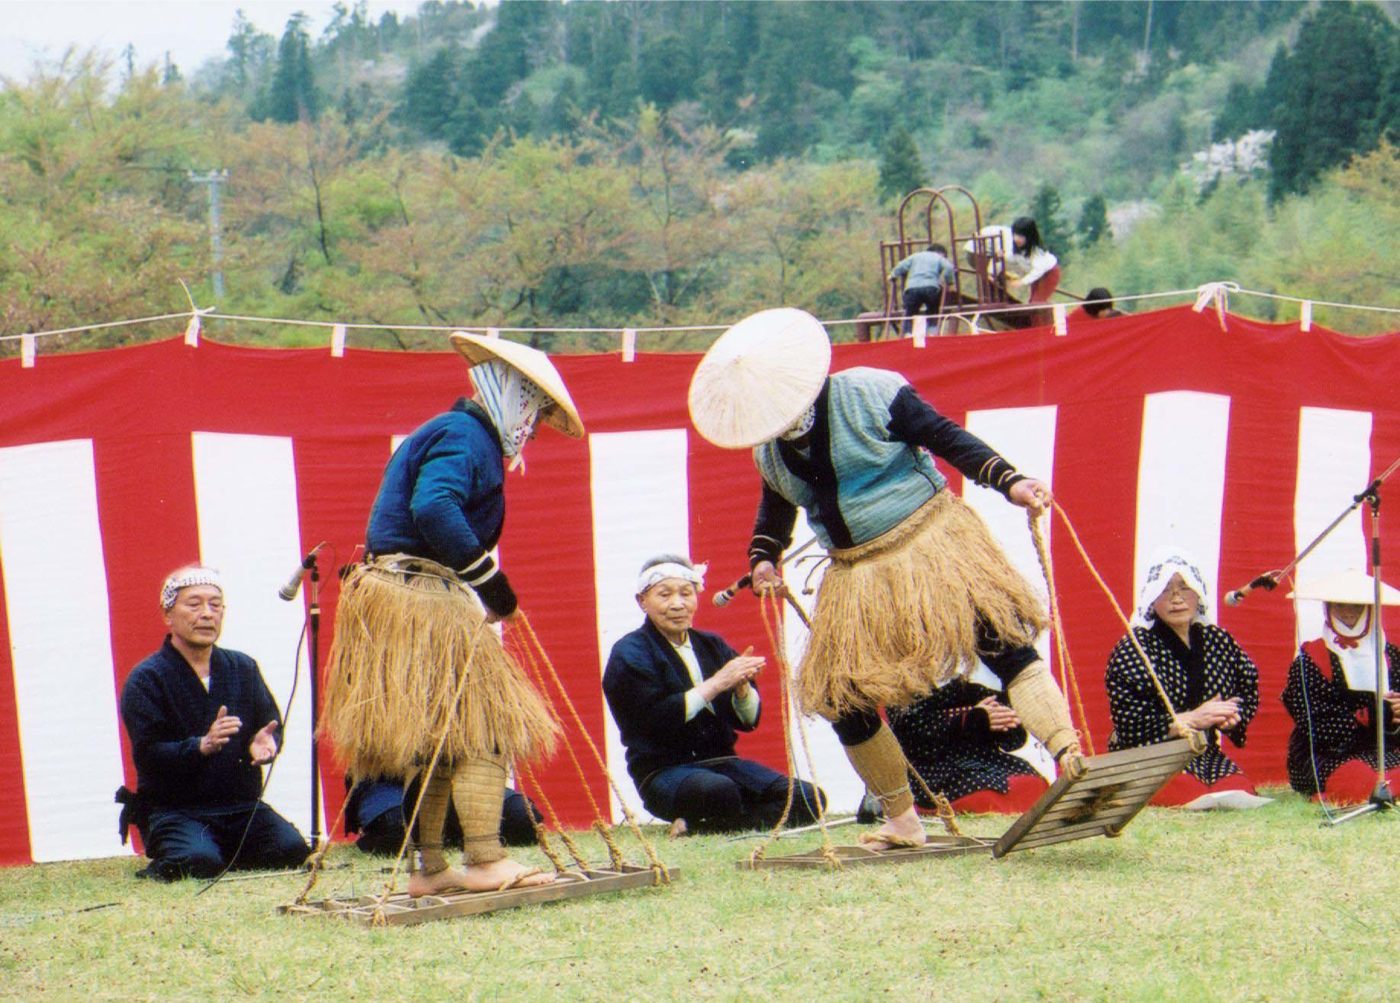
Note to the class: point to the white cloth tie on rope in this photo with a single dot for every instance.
(1058, 312)
(338, 341)
(1219, 294)
(920, 330)
(629, 344)
(1305, 316)
(26, 351)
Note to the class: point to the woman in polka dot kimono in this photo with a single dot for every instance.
(1331, 695)
(963, 740)
(1212, 683)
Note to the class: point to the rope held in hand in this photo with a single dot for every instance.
(1069, 679)
(1197, 740)
(659, 871)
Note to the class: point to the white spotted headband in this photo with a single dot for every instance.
(670, 569)
(183, 579)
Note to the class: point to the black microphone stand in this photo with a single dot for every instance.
(1381, 798)
(313, 636)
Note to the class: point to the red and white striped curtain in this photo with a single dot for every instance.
(117, 466)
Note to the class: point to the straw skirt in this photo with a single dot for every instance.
(407, 635)
(899, 615)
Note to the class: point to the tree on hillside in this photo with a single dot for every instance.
(901, 171)
(1337, 89)
(1054, 231)
(1093, 222)
(249, 51)
(432, 91)
(292, 94)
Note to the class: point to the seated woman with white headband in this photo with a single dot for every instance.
(680, 696)
(1212, 683)
(1331, 695)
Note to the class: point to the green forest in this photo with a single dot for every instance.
(648, 164)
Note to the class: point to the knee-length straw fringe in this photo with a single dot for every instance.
(898, 615)
(405, 631)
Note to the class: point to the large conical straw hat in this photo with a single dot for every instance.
(1350, 586)
(759, 377)
(535, 366)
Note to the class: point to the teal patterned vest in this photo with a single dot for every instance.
(880, 482)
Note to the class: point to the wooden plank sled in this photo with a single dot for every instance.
(1116, 787)
(402, 910)
(848, 856)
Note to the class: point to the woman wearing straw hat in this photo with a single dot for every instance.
(415, 662)
(1331, 694)
(917, 590)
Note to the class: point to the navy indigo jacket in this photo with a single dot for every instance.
(166, 712)
(645, 683)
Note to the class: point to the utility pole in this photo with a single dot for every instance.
(213, 179)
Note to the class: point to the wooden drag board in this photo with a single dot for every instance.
(401, 910)
(937, 846)
(1117, 786)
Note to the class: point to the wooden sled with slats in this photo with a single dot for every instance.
(400, 909)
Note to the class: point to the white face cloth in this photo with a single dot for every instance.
(803, 424)
(660, 572)
(514, 404)
(1355, 648)
(1165, 562)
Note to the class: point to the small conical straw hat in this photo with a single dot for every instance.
(759, 377)
(1350, 586)
(535, 366)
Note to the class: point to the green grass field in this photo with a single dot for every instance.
(1258, 905)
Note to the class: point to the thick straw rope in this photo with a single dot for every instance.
(1069, 679)
(315, 864)
(771, 607)
(533, 660)
(1197, 740)
(943, 811)
(659, 871)
(527, 774)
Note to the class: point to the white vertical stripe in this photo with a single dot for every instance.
(246, 500)
(641, 508)
(1181, 481)
(1334, 463)
(60, 648)
(1026, 437)
(830, 769)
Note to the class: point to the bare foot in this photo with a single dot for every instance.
(450, 880)
(904, 829)
(504, 873)
(677, 829)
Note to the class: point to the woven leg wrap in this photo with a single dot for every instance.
(478, 791)
(879, 761)
(1042, 708)
(432, 815)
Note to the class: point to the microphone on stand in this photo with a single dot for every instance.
(1268, 580)
(723, 596)
(293, 586)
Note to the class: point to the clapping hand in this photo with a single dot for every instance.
(225, 726)
(263, 747)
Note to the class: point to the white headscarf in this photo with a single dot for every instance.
(670, 569)
(513, 402)
(183, 579)
(1354, 647)
(803, 425)
(1165, 562)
